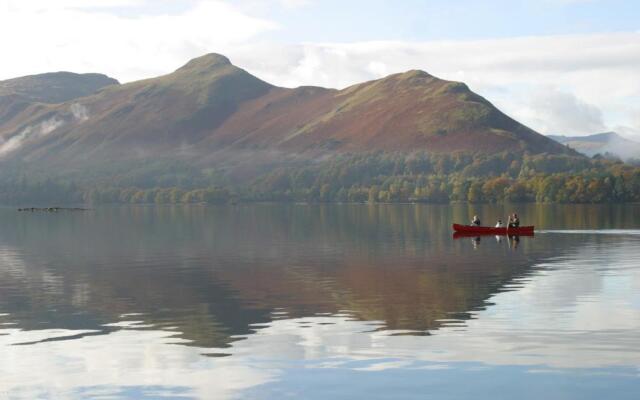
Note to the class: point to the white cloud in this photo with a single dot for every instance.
(631, 131)
(146, 359)
(636, 121)
(558, 112)
(43, 6)
(39, 36)
(294, 3)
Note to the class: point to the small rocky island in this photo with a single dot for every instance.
(50, 209)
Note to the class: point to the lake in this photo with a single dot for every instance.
(319, 302)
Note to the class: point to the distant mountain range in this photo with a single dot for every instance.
(602, 143)
(209, 110)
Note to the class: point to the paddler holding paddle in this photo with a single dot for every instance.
(514, 221)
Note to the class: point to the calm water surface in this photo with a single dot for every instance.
(319, 302)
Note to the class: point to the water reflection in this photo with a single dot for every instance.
(215, 278)
(145, 302)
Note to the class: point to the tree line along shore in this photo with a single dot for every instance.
(373, 178)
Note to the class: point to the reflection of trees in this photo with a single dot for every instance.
(212, 272)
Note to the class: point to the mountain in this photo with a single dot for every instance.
(210, 109)
(601, 143)
(54, 87)
(18, 94)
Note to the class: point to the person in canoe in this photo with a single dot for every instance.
(499, 224)
(514, 221)
(476, 221)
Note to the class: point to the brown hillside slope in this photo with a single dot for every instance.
(408, 111)
(209, 106)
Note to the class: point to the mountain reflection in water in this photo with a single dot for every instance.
(251, 293)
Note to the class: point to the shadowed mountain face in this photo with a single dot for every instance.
(209, 110)
(601, 143)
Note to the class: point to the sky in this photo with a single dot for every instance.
(559, 66)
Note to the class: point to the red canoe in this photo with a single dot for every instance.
(488, 230)
(460, 235)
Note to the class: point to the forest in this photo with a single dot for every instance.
(363, 177)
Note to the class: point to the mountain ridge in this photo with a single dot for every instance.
(55, 87)
(605, 143)
(209, 107)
